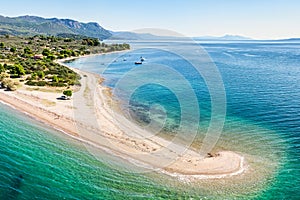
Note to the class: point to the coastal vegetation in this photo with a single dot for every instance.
(31, 60)
(68, 93)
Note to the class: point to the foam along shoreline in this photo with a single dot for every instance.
(154, 151)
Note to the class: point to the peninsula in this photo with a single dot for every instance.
(33, 69)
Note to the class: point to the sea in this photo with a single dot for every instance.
(241, 96)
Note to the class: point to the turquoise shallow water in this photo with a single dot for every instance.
(262, 123)
(53, 166)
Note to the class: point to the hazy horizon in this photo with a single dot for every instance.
(256, 19)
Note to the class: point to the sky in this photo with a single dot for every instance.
(258, 19)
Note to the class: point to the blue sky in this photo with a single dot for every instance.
(261, 19)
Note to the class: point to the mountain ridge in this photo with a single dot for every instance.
(225, 37)
(34, 25)
(148, 36)
(29, 25)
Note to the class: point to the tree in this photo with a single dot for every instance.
(40, 74)
(68, 93)
(55, 79)
(2, 45)
(27, 50)
(91, 41)
(12, 85)
(9, 84)
(19, 70)
(51, 57)
(3, 76)
(46, 52)
(96, 42)
(3, 80)
(33, 76)
(68, 40)
(2, 69)
(13, 49)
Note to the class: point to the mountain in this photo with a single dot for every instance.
(33, 25)
(148, 36)
(225, 37)
(290, 40)
(123, 35)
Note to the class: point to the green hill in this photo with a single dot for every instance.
(32, 25)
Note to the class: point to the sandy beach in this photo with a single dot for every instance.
(89, 117)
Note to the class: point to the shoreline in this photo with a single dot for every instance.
(61, 61)
(112, 135)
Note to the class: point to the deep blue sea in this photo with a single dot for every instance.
(261, 81)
